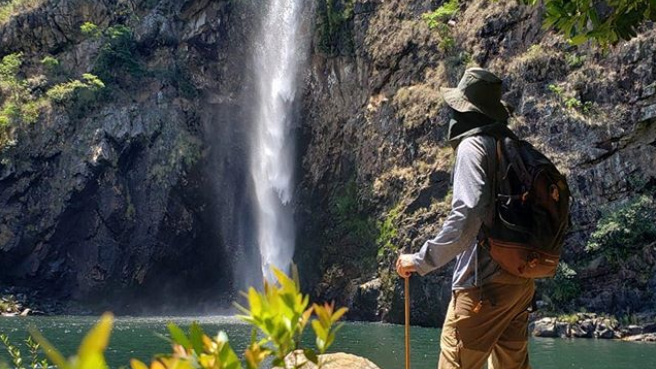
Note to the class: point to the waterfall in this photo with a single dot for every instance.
(280, 52)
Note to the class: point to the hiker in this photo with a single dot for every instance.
(487, 317)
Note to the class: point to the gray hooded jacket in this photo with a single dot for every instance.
(472, 206)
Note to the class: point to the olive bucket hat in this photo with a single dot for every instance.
(478, 91)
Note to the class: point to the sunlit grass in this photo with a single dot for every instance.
(10, 8)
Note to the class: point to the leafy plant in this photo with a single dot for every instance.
(69, 90)
(571, 102)
(442, 14)
(281, 314)
(51, 63)
(436, 21)
(17, 357)
(625, 228)
(90, 354)
(335, 35)
(195, 350)
(118, 52)
(18, 105)
(9, 8)
(388, 232)
(564, 287)
(91, 30)
(345, 207)
(575, 60)
(605, 22)
(558, 90)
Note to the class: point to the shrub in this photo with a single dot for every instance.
(50, 63)
(69, 90)
(335, 34)
(571, 102)
(9, 8)
(117, 53)
(574, 60)
(90, 30)
(18, 359)
(281, 313)
(442, 14)
(436, 21)
(583, 20)
(388, 232)
(563, 288)
(350, 219)
(19, 106)
(624, 229)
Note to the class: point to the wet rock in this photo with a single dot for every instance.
(604, 331)
(563, 329)
(647, 337)
(365, 302)
(634, 330)
(545, 327)
(578, 331)
(649, 328)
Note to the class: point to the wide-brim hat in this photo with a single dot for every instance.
(479, 91)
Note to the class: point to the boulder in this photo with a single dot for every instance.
(649, 337)
(604, 331)
(634, 330)
(338, 360)
(649, 328)
(545, 327)
(588, 326)
(577, 331)
(365, 302)
(563, 329)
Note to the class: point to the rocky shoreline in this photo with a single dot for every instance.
(590, 325)
(22, 302)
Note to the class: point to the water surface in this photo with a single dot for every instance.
(381, 343)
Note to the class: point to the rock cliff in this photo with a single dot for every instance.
(115, 201)
(376, 126)
(139, 193)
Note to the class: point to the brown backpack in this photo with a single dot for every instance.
(531, 211)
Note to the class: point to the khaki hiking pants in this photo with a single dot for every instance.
(496, 334)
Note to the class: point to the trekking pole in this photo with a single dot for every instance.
(407, 323)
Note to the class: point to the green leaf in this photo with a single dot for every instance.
(51, 352)
(338, 314)
(196, 337)
(136, 364)
(97, 339)
(179, 336)
(578, 40)
(311, 356)
(319, 330)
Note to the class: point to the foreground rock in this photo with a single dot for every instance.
(338, 360)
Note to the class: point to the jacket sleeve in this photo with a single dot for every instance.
(472, 197)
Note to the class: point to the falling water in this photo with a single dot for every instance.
(279, 55)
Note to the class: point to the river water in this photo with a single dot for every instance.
(381, 343)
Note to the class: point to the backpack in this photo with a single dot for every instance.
(531, 215)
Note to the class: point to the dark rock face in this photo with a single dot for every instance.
(118, 206)
(374, 117)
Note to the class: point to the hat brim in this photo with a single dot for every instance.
(459, 102)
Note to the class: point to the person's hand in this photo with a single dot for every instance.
(405, 266)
